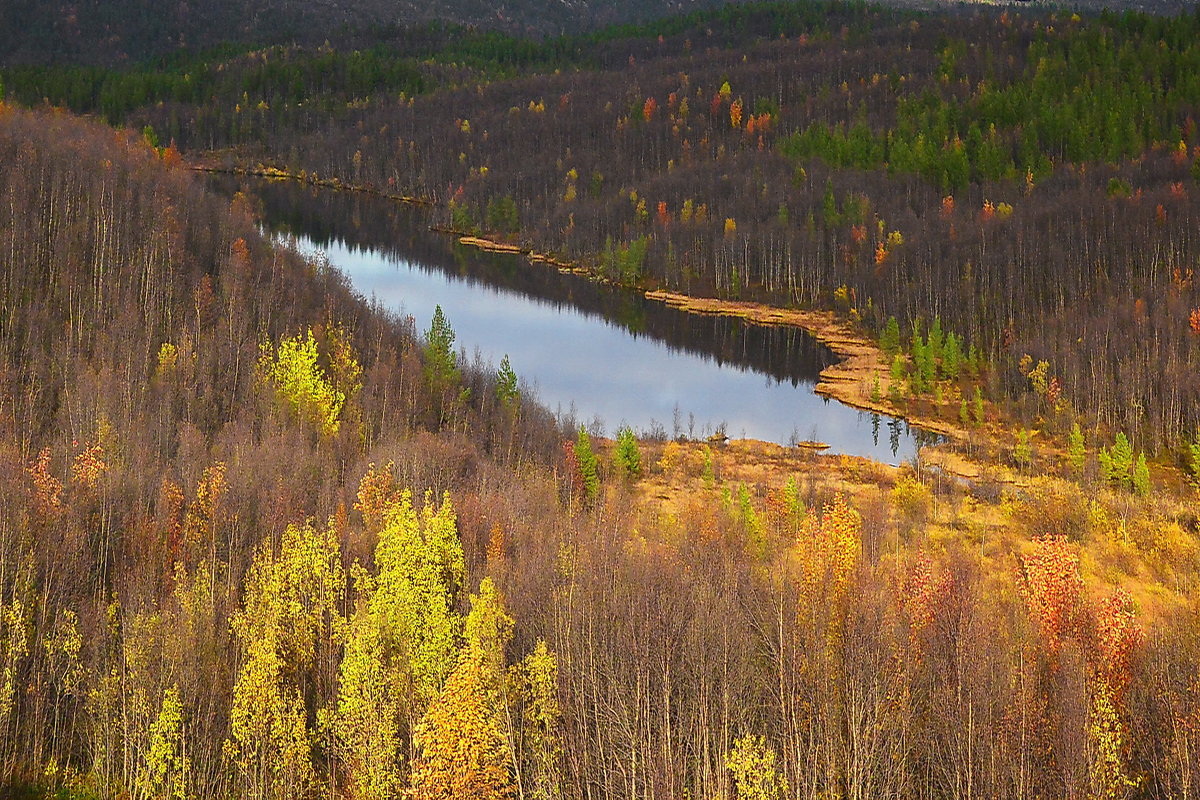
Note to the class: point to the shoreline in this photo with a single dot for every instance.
(849, 381)
(860, 361)
(274, 174)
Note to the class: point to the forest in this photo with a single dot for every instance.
(115, 32)
(919, 163)
(262, 537)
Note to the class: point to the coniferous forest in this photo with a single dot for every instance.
(263, 537)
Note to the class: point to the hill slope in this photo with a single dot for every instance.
(121, 31)
(212, 582)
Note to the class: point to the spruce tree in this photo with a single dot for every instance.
(1141, 476)
(588, 467)
(889, 340)
(1076, 452)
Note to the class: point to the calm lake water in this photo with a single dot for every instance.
(604, 356)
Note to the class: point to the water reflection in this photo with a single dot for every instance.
(586, 349)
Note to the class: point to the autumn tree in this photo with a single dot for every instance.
(401, 641)
(1022, 450)
(1107, 743)
(377, 494)
(830, 545)
(301, 386)
(288, 619)
(1052, 587)
(168, 769)
(541, 738)
(755, 775)
(461, 749)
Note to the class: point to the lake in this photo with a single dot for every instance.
(602, 356)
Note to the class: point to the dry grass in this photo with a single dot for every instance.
(1148, 547)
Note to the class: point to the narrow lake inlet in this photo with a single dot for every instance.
(602, 356)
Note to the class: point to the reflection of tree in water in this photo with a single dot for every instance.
(895, 427)
(923, 438)
(899, 427)
(402, 233)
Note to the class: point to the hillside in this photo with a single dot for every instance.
(262, 538)
(177, 392)
(114, 32)
(211, 575)
(124, 31)
(906, 164)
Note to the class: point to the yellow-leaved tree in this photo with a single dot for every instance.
(140, 701)
(402, 637)
(752, 763)
(306, 390)
(489, 629)
(287, 626)
(537, 677)
(167, 768)
(462, 750)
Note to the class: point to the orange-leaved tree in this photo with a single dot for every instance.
(462, 750)
(830, 548)
(1052, 588)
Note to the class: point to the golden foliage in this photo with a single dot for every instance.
(830, 546)
(462, 753)
(301, 385)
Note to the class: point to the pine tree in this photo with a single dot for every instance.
(441, 362)
(928, 366)
(588, 467)
(899, 369)
(1122, 461)
(1076, 452)
(1194, 447)
(627, 457)
(974, 361)
(889, 340)
(951, 357)
(1141, 476)
(829, 206)
(916, 380)
(1106, 465)
(935, 341)
(507, 392)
